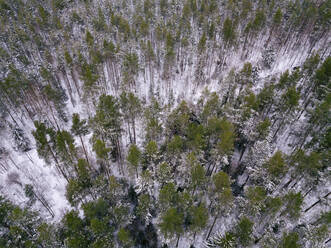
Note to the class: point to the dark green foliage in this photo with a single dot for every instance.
(107, 116)
(100, 22)
(202, 43)
(73, 192)
(153, 127)
(79, 127)
(276, 165)
(198, 217)
(227, 241)
(130, 68)
(263, 127)
(322, 77)
(291, 98)
(198, 177)
(96, 209)
(83, 173)
(59, 4)
(277, 19)
(221, 181)
(74, 231)
(290, 241)
(89, 39)
(311, 64)
(265, 98)
(227, 136)
(45, 140)
(256, 194)
(293, 203)
(134, 156)
(143, 205)
(244, 231)
(259, 20)
(145, 53)
(307, 164)
(90, 77)
(68, 58)
(168, 196)
(78, 188)
(22, 228)
(272, 205)
(211, 109)
(100, 149)
(151, 149)
(65, 146)
(175, 146)
(43, 15)
(172, 222)
(195, 136)
(124, 238)
(229, 33)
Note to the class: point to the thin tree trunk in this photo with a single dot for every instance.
(57, 163)
(212, 226)
(134, 130)
(81, 140)
(177, 241)
(317, 202)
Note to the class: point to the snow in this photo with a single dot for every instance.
(181, 86)
(44, 178)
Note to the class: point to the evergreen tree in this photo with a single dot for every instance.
(198, 177)
(198, 218)
(124, 238)
(131, 108)
(46, 144)
(172, 224)
(80, 129)
(276, 165)
(134, 157)
(290, 240)
(168, 196)
(229, 33)
(244, 231)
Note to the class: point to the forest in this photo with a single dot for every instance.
(165, 123)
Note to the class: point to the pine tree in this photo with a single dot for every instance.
(172, 224)
(102, 153)
(134, 157)
(124, 238)
(130, 69)
(198, 177)
(151, 150)
(276, 165)
(290, 241)
(244, 231)
(46, 144)
(65, 147)
(293, 203)
(80, 129)
(168, 196)
(229, 33)
(107, 124)
(198, 218)
(131, 108)
(222, 196)
(143, 206)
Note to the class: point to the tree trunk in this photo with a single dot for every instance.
(212, 226)
(81, 140)
(315, 203)
(57, 163)
(177, 241)
(134, 130)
